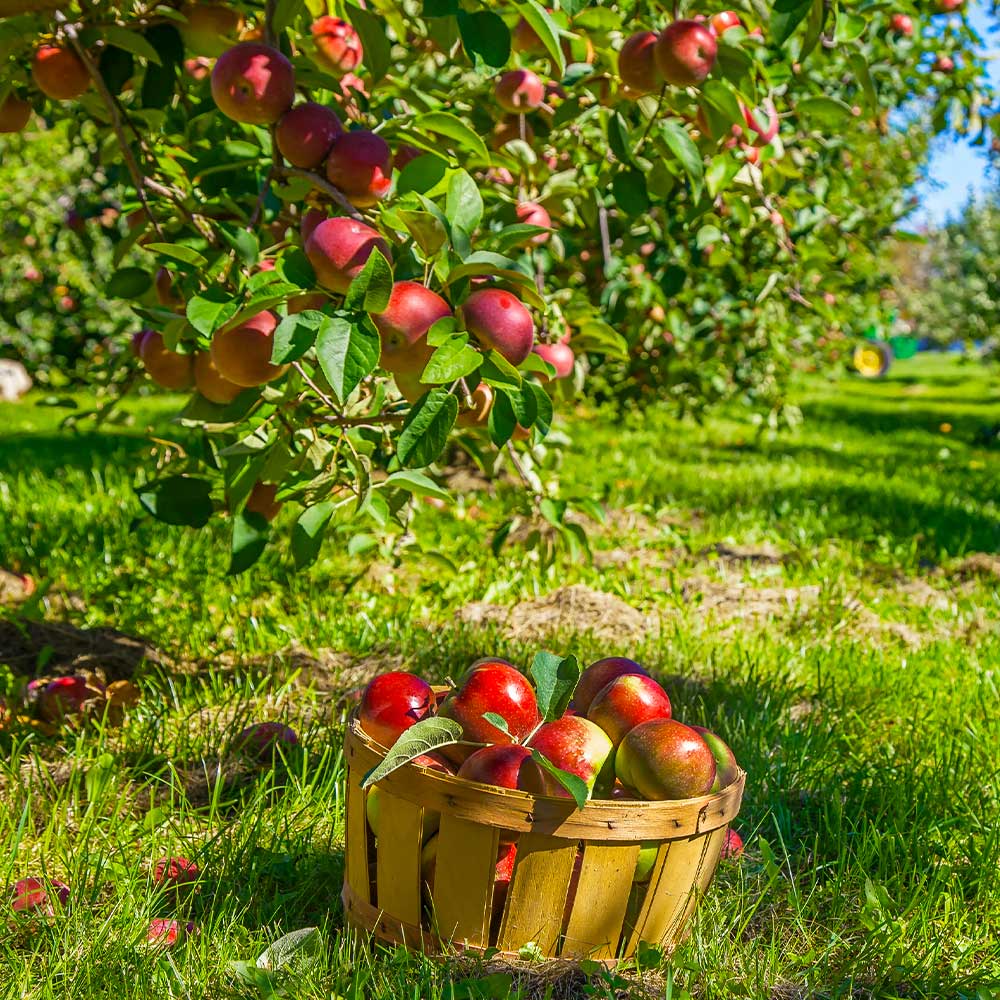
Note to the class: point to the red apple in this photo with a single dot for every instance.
(307, 133)
(503, 765)
(950, 5)
(14, 113)
(559, 355)
(210, 29)
(393, 702)
(36, 895)
(339, 248)
(242, 354)
(175, 874)
(262, 500)
(637, 63)
(598, 676)
(499, 320)
(519, 90)
(165, 367)
(210, 383)
(576, 745)
(685, 53)
(943, 64)
(762, 122)
(198, 68)
(533, 214)
(253, 83)
(901, 24)
(403, 325)
(725, 20)
(627, 702)
(262, 738)
(664, 759)
(492, 685)
(726, 768)
(309, 300)
(405, 155)
(338, 45)
(524, 38)
(310, 220)
(166, 933)
(59, 73)
(733, 847)
(360, 164)
(166, 294)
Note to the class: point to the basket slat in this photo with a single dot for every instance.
(357, 837)
(710, 862)
(537, 898)
(673, 882)
(398, 857)
(463, 880)
(595, 923)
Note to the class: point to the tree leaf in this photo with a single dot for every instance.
(443, 123)
(573, 783)
(211, 310)
(295, 334)
(502, 422)
(453, 359)
(464, 207)
(485, 35)
(347, 352)
(416, 483)
(122, 38)
(541, 21)
(497, 720)
(250, 533)
(682, 146)
(555, 680)
(426, 430)
(178, 252)
(619, 138)
(543, 407)
(786, 16)
(421, 174)
(182, 500)
(629, 189)
(374, 41)
(129, 283)
(823, 110)
(307, 533)
(498, 371)
(370, 290)
(422, 737)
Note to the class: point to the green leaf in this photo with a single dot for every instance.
(117, 67)
(573, 783)
(422, 737)
(465, 204)
(721, 170)
(175, 251)
(861, 70)
(824, 111)
(421, 174)
(370, 290)
(629, 189)
(295, 267)
(250, 532)
(498, 721)
(680, 143)
(210, 310)
(347, 352)
(443, 123)
(498, 371)
(295, 952)
(453, 359)
(786, 16)
(619, 138)
(285, 12)
(122, 38)
(129, 283)
(294, 335)
(374, 41)
(426, 430)
(555, 680)
(307, 533)
(416, 483)
(502, 422)
(244, 243)
(543, 407)
(485, 35)
(539, 19)
(522, 402)
(849, 27)
(182, 500)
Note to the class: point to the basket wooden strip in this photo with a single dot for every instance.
(523, 813)
(536, 901)
(463, 880)
(357, 838)
(399, 868)
(598, 913)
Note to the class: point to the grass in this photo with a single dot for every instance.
(855, 677)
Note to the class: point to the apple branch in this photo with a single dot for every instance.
(324, 185)
(69, 30)
(312, 385)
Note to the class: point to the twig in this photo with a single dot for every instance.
(258, 208)
(655, 115)
(602, 221)
(116, 122)
(324, 185)
(268, 25)
(516, 462)
(312, 385)
(373, 421)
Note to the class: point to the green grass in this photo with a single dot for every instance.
(862, 700)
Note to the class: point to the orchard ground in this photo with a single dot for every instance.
(826, 599)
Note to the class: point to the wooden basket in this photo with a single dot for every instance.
(571, 893)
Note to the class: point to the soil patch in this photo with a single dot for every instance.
(980, 565)
(737, 600)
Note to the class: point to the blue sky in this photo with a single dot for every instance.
(956, 168)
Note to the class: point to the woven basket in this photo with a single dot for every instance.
(571, 894)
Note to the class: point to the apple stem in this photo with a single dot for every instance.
(324, 185)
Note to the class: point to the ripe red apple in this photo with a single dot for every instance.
(519, 90)
(559, 355)
(310, 220)
(166, 295)
(339, 248)
(166, 933)
(198, 68)
(165, 367)
(135, 344)
(262, 738)
(175, 874)
(627, 702)
(733, 847)
(403, 325)
(901, 24)
(210, 383)
(685, 53)
(598, 676)
(637, 63)
(576, 745)
(65, 697)
(210, 29)
(533, 214)
(36, 895)
(307, 133)
(242, 354)
(664, 759)
(950, 5)
(310, 300)
(14, 113)
(392, 702)
(253, 83)
(492, 685)
(360, 164)
(499, 320)
(59, 73)
(482, 403)
(524, 38)
(943, 64)
(262, 501)
(725, 20)
(504, 765)
(762, 122)
(726, 768)
(338, 45)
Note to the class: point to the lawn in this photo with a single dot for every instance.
(825, 597)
